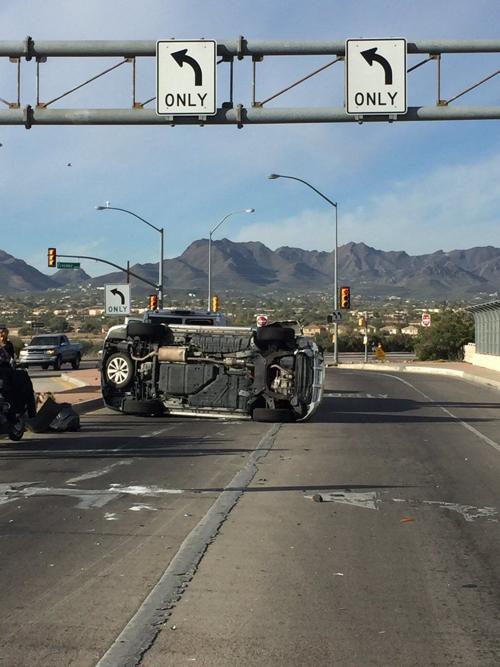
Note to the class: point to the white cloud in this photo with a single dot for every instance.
(455, 206)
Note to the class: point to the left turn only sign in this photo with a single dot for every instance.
(186, 77)
(117, 299)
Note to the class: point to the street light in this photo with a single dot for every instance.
(160, 230)
(245, 210)
(335, 261)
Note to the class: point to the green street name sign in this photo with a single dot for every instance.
(68, 265)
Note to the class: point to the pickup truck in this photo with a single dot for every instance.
(50, 350)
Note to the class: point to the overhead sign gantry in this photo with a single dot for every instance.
(377, 72)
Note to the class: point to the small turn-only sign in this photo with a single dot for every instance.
(186, 77)
(375, 76)
(117, 299)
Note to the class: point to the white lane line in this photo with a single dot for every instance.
(470, 428)
(97, 473)
(144, 490)
(154, 433)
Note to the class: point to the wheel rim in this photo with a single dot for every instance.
(118, 370)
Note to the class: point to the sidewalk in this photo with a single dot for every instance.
(459, 369)
(81, 388)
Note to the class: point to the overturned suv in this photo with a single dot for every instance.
(271, 373)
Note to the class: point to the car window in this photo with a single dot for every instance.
(198, 321)
(45, 340)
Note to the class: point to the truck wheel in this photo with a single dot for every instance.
(76, 362)
(280, 415)
(57, 364)
(265, 336)
(146, 330)
(119, 370)
(44, 367)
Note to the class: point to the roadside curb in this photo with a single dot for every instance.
(405, 368)
(67, 377)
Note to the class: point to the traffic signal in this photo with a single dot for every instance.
(362, 322)
(52, 257)
(345, 297)
(215, 304)
(153, 302)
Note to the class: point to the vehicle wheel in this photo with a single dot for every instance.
(146, 330)
(76, 362)
(281, 415)
(44, 367)
(119, 370)
(151, 408)
(57, 364)
(268, 335)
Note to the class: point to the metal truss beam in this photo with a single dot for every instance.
(239, 47)
(36, 112)
(239, 117)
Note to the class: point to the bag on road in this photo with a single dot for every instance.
(66, 419)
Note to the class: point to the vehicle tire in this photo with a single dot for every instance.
(76, 362)
(269, 335)
(146, 330)
(44, 367)
(151, 408)
(119, 370)
(280, 415)
(57, 364)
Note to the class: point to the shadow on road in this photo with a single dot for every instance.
(389, 410)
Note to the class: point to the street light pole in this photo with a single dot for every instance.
(209, 299)
(335, 258)
(160, 230)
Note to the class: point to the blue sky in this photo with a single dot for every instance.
(417, 187)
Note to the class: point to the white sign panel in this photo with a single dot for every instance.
(117, 299)
(375, 76)
(186, 77)
(426, 320)
(336, 316)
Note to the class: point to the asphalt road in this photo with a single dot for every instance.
(101, 530)
(39, 372)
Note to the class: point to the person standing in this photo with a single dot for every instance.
(6, 344)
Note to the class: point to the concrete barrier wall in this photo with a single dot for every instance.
(487, 361)
(484, 360)
(469, 352)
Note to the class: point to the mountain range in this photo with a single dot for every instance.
(251, 267)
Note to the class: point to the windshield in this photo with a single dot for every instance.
(45, 340)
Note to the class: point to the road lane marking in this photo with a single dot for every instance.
(143, 490)
(97, 473)
(154, 433)
(470, 428)
(372, 500)
(369, 499)
(140, 632)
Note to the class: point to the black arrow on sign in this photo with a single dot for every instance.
(371, 55)
(181, 57)
(116, 292)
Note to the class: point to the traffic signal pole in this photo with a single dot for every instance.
(116, 266)
(366, 336)
(335, 289)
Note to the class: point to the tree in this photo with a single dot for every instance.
(445, 338)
